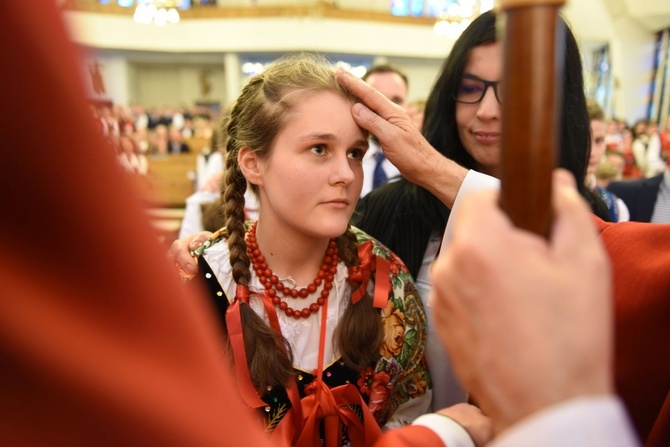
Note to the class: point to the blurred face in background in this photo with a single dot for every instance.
(598, 146)
(391, 85)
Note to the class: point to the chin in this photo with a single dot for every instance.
(334, 227)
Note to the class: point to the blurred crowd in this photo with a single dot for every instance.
(637, 151)
(137, 133)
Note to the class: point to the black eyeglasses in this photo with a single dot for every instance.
(471, 90)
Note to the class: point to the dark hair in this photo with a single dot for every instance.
(385, 68)
(440, 127)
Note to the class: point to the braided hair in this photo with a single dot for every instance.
(257, 117)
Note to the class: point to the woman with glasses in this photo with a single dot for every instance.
(463, 121)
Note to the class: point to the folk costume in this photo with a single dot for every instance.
(390, 393)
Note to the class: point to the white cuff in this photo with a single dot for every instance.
(579, 422)
(450, 432)
(473, 181)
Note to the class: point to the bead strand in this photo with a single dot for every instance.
(275, 289)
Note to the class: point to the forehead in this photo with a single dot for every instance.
(485, 61)
(598, 125)
(321, 110)
(389, 81)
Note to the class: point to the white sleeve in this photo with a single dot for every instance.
(192, 221)
(655, 163)
(624, 212)
(214, 164)
(450, 432)
(639, 153)
(580, 422)
(473, 181)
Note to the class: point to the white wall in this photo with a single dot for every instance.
(175, 85)
(414, 48)
(632, 62)
(262, 34)
(420, 72)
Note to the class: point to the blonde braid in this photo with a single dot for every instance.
(234, 187)
(269, 357)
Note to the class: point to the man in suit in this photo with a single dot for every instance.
(176, 141)
(392, 83)
(647, 199)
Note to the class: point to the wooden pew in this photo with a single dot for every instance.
(171, 179)
(197, 144)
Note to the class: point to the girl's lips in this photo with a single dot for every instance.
(337, 203)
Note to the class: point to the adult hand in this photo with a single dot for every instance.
(473, 420)
(527, 322)
(402, 141)
(180, 253)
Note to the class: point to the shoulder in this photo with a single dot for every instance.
(625, 185)
(402, 290)
(376, 248)
(362, 237)
(636, 184)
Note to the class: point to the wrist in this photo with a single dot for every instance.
(443, 177)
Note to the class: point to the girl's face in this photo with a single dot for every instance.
(479, 125)
(311, 180)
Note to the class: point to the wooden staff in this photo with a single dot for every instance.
(534, 40)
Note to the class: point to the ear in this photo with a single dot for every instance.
(249, 164)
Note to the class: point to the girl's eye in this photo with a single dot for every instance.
(356, 154)
(319, 149)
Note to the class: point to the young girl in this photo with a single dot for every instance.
(325, 326)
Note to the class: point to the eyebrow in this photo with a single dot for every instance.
(317, 136)
(329, 137)
(471, 76)
(475, 77)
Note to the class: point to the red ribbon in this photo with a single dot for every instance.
(360, 276)
(332, 406)
(247, 390)
(242, 293)
(234, 323)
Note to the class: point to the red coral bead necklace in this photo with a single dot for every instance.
(274, 288)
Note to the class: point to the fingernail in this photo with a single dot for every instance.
(357, 109)
(195, 245)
